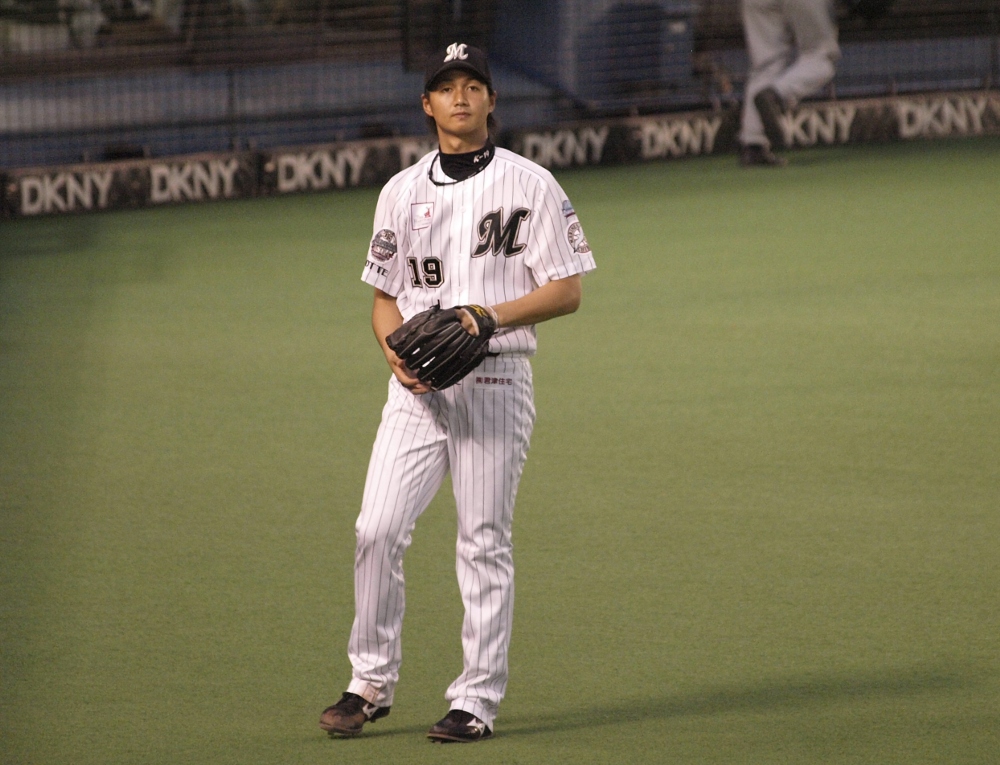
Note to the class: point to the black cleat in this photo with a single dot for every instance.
(458, 725)
(348, 716)
(756, 155)
(771, 106)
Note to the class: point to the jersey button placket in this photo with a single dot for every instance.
(460, 259)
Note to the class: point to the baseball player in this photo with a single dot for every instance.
(469, 224)
(793, 53)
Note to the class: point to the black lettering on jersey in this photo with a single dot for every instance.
(431, 269)
(377, 268)
(433, 272)
(496, 236)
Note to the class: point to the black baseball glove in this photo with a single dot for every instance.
(437, 349)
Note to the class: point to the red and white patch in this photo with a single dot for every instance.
(383, 247)
(576, 238)
(421, 214)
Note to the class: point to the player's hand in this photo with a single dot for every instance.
(469, 323)
(404, 375)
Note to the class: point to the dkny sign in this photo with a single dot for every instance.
(344, 165)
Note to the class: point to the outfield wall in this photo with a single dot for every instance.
(196, 178)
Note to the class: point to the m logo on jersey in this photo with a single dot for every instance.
(496, 236)
(456, 51)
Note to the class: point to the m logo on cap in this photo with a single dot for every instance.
(456, 51)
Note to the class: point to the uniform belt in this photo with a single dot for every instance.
(507, 354)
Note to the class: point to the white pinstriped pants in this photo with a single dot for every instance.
(479, 430)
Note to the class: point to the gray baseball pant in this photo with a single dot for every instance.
(793, 48)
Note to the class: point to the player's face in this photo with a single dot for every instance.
(460, 106)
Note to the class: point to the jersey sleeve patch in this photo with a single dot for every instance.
(576, 238)
(383, 247)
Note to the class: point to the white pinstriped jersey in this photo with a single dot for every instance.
(486, 240)
(489, 239)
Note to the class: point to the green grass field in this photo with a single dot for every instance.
(759, 522)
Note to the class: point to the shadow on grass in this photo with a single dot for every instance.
(374, 731)
(788, 694)
(779, 694)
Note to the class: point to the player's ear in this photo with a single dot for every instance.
(427, 105)
(493, 100)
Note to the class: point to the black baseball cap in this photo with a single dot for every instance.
(458, 56)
